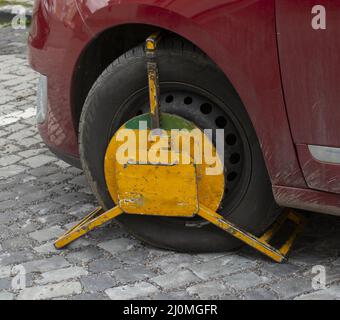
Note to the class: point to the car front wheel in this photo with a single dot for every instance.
(194, 88)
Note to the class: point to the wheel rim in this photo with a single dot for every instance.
(207, 112)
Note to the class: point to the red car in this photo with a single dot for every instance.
(266, 71)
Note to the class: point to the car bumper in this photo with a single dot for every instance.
(53, 51)
(43, 120)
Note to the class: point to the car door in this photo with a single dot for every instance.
(308, 34)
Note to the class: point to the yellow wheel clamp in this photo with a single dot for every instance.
(165, 181)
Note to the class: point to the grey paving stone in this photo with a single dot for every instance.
(43, 171)
(37, 161)
(117, 245)
(62, 164)
(222, 266)
(25, 188)
(46, 248)
(246, 280)
(293, 287)
(109, 231)
(84, 255)
(34, 196)
(211, 256)
(74, 197)
(15, 258)
(5, 272)
(29, 142)
(5, 283)
(96, 296)
(19, 242)
(79, 181)
(56, 178)
(79, 244)
(132, 274)
(174, 262)
(30, 153)
(209, 290)
(21, 229)
(46, 208)
(52, 219)
(46, 264)
(81, 210)
(133, 257)
(9, 160)
(7, 218)
(11, 170)
(5, 295)
(176, 280)
(61, 289)
(129, 292)
(16, 126)
(47, 234)
(174, 295)
(99, 282)
(22, 134)
(280, 270)
(260, 294)
(9, 149)
(5, 195)
(62, 275)
(9, 204)
(104, 264)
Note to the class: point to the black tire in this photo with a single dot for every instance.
(120, 93)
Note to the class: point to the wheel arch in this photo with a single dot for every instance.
(106, 47)
(261, 96)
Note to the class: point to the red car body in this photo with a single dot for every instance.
(286, 73)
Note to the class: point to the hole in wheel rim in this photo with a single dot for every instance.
(169, 99)
(188, 100)
(221, 122)
(206, 108)
(231, 139)
(235, 158)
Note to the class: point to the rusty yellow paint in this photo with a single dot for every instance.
(168, 190)
(278, 255)
(150, 45)
(210, 188)
(299, 221)
(153, 78)
(152, 41)
(153, 96)
(95, 219)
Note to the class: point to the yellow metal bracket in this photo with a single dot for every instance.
(261, 244)
(143, 189)
(153, 78)
(95, 219)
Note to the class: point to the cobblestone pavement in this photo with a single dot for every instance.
(40, 197)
